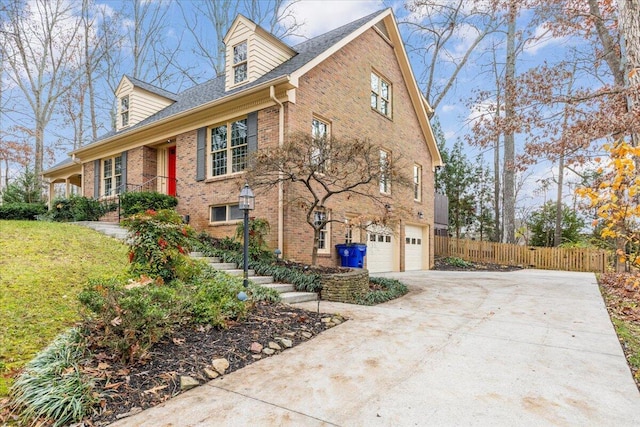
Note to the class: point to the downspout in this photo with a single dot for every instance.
(272, 94)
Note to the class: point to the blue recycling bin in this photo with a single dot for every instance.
(352, 255)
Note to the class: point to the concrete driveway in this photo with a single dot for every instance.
(525, 348)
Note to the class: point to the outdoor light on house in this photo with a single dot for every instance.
(246, 203)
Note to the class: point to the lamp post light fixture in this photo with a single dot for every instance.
(246, 203)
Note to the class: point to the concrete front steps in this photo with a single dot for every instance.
(287, 292)
(111, 229)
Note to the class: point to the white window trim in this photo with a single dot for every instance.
(378, 94)
(315, 154)
(417, 182)
(125, 111)
(229, 149)
(113, 177)
(235, 64)
(327, 234)
(384, 182)
(228, 219)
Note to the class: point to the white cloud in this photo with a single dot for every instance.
(481, 111)
(447, 108)
(322, 16)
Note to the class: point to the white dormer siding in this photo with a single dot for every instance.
(264, 52)
(141, 104)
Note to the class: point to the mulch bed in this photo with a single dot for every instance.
(187, 352)
(441, 264)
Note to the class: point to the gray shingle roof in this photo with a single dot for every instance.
(215, 88)
(151, 88)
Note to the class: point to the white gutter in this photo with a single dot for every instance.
(272, 94)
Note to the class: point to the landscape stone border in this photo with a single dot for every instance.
(345, 287)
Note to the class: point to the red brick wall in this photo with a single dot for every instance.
(196, 197)
(339, 90)
(88, 178)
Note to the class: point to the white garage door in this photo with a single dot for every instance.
(413, 248)
(379, 250)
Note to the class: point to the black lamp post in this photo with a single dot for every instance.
(246, 203)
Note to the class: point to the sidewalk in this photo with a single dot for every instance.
(526, 348)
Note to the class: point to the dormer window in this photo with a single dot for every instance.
(240, 62)
(124, 110)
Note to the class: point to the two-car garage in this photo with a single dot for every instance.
(383, 251)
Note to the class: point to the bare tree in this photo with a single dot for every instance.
(434, 27)
(38, 43)
(629, 24)
(323, 170)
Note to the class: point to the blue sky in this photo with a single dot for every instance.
(454, 113)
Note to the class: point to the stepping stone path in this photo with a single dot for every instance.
(287, 291)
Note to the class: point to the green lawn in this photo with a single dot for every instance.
(43, 266)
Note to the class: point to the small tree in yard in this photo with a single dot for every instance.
(615, 196)
(325, 168)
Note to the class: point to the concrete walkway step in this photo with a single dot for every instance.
(287, 291)
(111, 229)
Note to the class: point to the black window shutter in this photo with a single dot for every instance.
(252, 131)
(123, 189)
(96, 179)
(201, 147)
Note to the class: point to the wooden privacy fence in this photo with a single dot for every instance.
(567, 259)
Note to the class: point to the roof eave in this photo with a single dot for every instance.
(177, 116)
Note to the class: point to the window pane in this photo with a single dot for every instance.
(118, 188)
(118, 165)
(219, 138)
(107, 186)
(240, 73)
(125, 118)
(407, 240)
(239, 159)
(235, 212)
(374, 100)
(240, 53)
(108, 165)
(374, 83)
(384, 89)
(239, 133)
(124, 103)
(380, 238)
(384, 107)
(219, 163)
(372, 237)
(218, 213)
(387, 239)
(318, 129)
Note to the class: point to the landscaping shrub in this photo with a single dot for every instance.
(159, 243)
(78, 208)
(129, 319)
(215, 300)
(387, 289)
(138, 202)
(458, 262)
(22, 211)
(52, 387)
(263, 262)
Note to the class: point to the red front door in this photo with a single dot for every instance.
(171, 172)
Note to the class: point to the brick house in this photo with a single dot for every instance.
(354, 81)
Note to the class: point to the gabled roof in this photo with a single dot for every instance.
(257, 29)
(151, 88)
(309, 53)
(214, 89)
